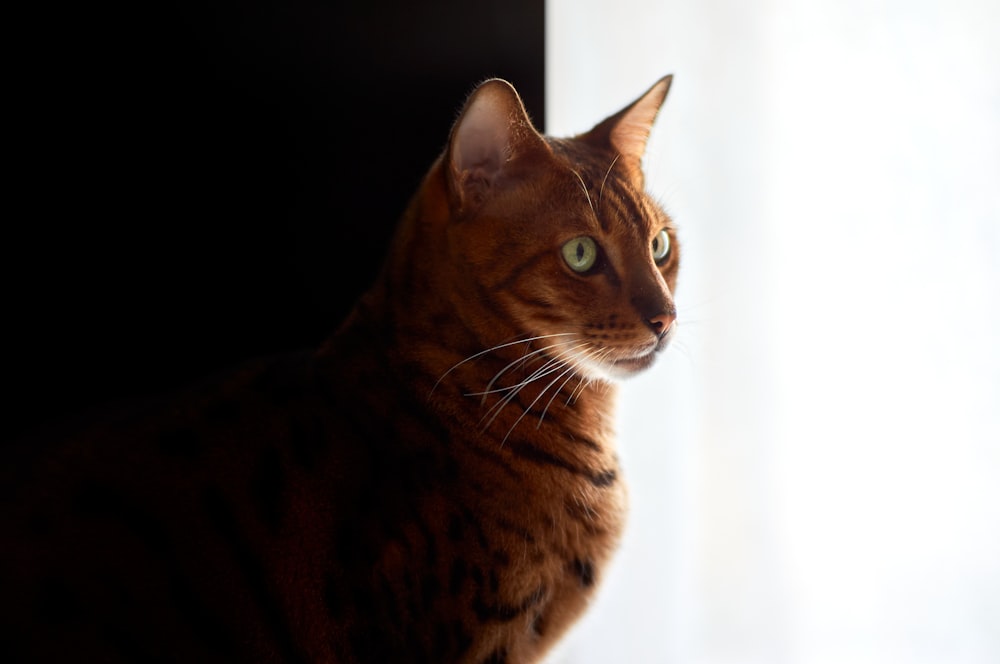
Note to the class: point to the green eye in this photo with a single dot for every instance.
(661, 246)
(580, 253)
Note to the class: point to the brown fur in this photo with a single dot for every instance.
(390, 497)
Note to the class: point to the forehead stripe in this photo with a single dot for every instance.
(619, 203)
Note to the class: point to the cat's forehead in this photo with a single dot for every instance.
(608, 190)
(584, 157)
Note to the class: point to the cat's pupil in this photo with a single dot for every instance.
(580, 251)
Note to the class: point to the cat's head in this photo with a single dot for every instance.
(557, 239)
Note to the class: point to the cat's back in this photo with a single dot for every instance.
(153, 527)
(237, 520)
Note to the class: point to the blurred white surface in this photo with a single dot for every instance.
(815, 467)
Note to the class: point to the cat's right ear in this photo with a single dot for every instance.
(625, 133)
(492, 130)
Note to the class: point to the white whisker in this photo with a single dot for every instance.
(534, 401)
(580, 386)
(560, 358)
(600, 194)
(585, 192)
(549, 367)
(552, 365)
(539, 372)
(597, 356)
(521, 360)
(572, 373)
(493, 348)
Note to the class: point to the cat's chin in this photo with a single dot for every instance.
(632, 366)
(625, 367)
(628, 367)
(620, 369)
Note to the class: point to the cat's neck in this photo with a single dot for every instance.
(414, 300)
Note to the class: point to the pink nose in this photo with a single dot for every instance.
(662, 323)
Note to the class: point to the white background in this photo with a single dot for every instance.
(815, 465)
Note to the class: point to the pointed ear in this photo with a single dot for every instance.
(625, 133)
(492, 130)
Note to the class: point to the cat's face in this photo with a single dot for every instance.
(559, 237)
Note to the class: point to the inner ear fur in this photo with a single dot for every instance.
(626, 132)
(492, 129)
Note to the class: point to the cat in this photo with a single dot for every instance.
(437, 482)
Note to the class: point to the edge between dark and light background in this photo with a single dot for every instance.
(201, 183)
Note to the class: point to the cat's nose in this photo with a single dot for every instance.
(662, 323)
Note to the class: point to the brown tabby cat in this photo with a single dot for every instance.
(436, 483)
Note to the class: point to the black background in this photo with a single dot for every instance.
(196, 183)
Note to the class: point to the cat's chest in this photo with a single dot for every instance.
(535, 559)
(497, 521)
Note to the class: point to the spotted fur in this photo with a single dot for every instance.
(436, 483)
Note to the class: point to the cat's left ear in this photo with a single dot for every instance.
(492, 130)
(627, 131)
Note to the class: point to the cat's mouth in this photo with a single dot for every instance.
(642, 360)
(604, 363)
(628, 364)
